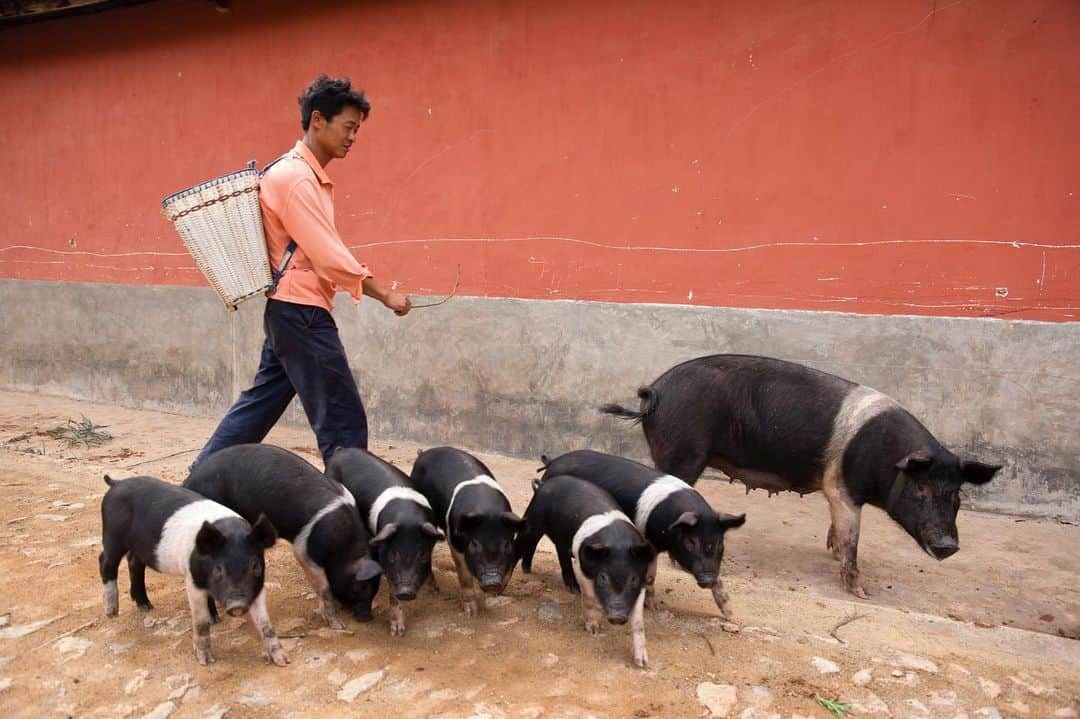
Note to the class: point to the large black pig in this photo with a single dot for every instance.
(781, 426)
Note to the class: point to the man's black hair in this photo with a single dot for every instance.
(329, 95)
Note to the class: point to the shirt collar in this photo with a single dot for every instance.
(301, 149)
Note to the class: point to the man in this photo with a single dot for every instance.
(302, 353)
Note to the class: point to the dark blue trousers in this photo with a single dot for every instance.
(302, 355)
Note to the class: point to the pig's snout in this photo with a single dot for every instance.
(944, 548)
(491, 582)
(406, 592)
(706, 580)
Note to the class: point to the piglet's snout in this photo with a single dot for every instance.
(491, 581)
(618, 613)
(236, 606)
(706, 580)
(406, 592)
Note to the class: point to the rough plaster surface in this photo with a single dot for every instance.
(524, 377)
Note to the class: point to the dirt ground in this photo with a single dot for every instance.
(989, 632)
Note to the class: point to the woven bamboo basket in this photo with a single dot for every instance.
(221, 226)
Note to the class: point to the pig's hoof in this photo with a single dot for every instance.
(335, 623)
(397, 629)
(650, 602)
(641, 660)
(592, 626)
(471, 607)
(204, 657)
(278, 656)
(112, 611)
(148, 607)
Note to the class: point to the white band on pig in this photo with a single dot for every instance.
(300, 543)
(660, 489)
(388, 495)
(860, 406)
(479, 479)
(173, 551)
(594, 524)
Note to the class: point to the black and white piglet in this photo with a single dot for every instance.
(601, 553)
(671, 514)
(316, 514)
(176, 531)
(479, 522)
(400, 521)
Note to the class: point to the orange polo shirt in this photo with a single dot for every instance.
(297, 201)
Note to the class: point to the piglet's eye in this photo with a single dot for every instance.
(219, 571)
(603, 578)
(474, 545)
(256, 568)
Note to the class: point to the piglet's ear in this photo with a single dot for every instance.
(264, 532)
(977, 472)
(367, 569)
(512, 520)
(469, 519)
(432, 531)
(208, 539)
(914, 463)
(731, 521)
(384, 534)
(686, 519)
(594, 552)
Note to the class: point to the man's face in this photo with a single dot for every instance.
(336, 136)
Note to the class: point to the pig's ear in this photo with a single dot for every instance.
(644, 551)
(977, 472)
(594, 552)
(264, 532)
(367, 569)
(915, 462)
(512, 520)
(432, 531)
(208, 539)
(467, 520)
(686, 519)
(731, 521)
(384, 534)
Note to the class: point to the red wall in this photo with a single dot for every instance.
(897, 156)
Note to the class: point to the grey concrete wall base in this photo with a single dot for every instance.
(525, 377)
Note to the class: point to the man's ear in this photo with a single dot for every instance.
(318, 121)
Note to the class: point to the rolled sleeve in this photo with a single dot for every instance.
(311, 227)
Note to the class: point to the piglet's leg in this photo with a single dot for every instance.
(844, 531)
(591, 611)
(137, 572)
(468, 587)
(261, 619)
(317, 578)
(637, 632)
(200, 621)
(650, 586)
(397, 617)
(720, 596)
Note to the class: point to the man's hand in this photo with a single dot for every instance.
(399, 303)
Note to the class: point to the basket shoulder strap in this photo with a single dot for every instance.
(290, 248)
